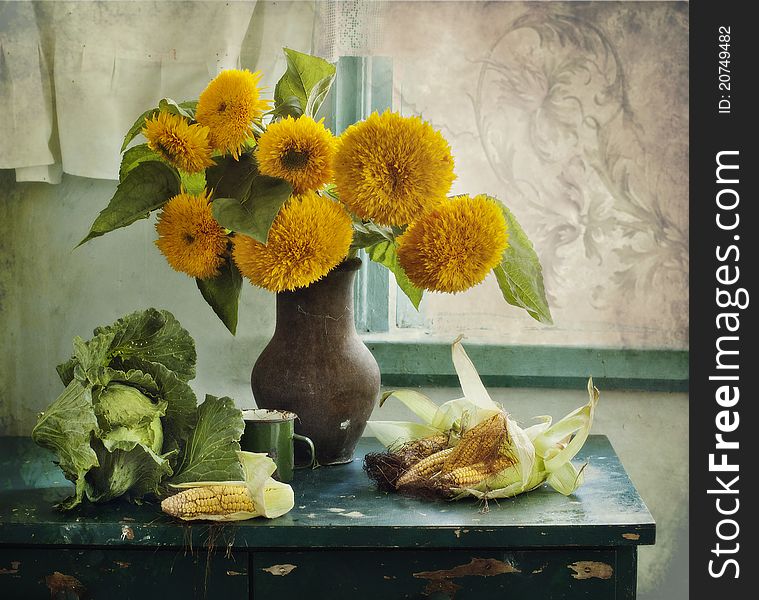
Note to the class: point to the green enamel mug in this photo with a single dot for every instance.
(273, 432)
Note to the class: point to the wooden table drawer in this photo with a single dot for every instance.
(116, 574)
(555, 574)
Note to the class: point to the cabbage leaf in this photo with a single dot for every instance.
(145, 336)
(65, 428)
(134, 472)
(211, 453)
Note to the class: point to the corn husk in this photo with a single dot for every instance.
(270, 498)
(541, 453)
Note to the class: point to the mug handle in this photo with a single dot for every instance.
(312, 452)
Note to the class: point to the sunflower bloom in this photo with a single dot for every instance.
(300, 151)
(228, 107)
(390, 168)
(309, 237)
(181, 144)
(189, 237)
(452, 247)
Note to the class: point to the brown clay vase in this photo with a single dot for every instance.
(317, 366)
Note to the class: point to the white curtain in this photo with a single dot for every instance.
(75, 75)
(26, 109)
(348, 28)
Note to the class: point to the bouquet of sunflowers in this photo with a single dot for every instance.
(249, 187)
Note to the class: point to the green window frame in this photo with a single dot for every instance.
(365, 84)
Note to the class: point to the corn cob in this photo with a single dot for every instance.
(426, 468)
(428, 446)
(412, 452)
(473, 474)
(216, 500)
(481, 443)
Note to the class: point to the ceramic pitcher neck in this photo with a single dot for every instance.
(325, 307)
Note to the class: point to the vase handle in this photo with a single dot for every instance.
(302, 438)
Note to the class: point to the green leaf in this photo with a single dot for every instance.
(305, 75)
(133, 157)
(369, 234)
(230, 178)
(317, 95)
(153, 336)
(65, 428)
(520, 275)
(124, 405)
(211, 452)
(289, 108)
(89, 358)
(189, 107)
(386, 253)
(89, 365)
(144, 382)
(169, 105)
(181, 403)
(136, 128)
(254, 215)
(146, 188)
(223, 293)
(193, 183)
(66, 370)
(136, 472)
(331, 190)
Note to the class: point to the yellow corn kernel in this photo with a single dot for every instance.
(425, 468)
(412, 452)
(209, 500)
(480, 443)
(473, 474)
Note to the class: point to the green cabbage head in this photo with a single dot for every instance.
(129, 444)
(128, 417)
(128, 423)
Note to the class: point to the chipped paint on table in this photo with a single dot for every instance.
(280, 570)
(587, 569)
(442, 575)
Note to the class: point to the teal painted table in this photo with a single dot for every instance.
(342, 540)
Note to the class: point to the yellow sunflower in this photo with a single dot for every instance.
(453, 246)
(300, 151)
(228, 106)
(390, 168)
(309, 237)
(183, 145)
(189, 237)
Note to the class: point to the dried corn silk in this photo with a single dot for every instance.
(385, 468)
(416, 450)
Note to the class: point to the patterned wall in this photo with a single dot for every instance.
(576, 115)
